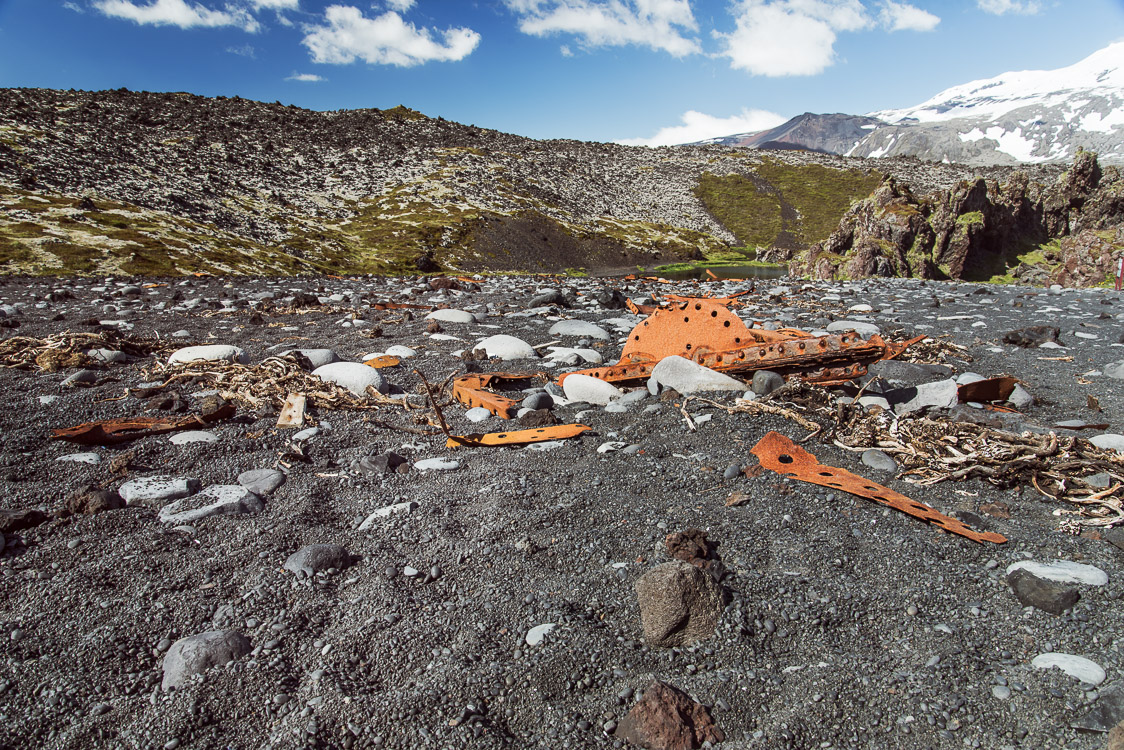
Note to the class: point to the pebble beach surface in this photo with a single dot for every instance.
(354, 583)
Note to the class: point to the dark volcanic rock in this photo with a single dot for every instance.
(17, 520)
(1032, 336)
(679, 604)
(88, 501)
(667, 719)
(1048, 596)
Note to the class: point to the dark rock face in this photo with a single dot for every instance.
(667, 719)
(88, 501)
(974, 230)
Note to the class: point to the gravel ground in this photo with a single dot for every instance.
(848, 625)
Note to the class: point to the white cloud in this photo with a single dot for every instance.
(566, 51)
(348, 35)
(276, 4)
(658, 24)
(305, 77)
(789, 37)
(1001, 7)
(74, 7)
(177, 13)
(400, 5)
(905, 17)
(244, 51)
(697, 126)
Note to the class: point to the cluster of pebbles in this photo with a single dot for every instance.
(354, 582)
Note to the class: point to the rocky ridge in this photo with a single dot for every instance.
(174, 183)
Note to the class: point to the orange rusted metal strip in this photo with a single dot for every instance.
(518, 437)
(113, 431)
(778, 453)
(381, 361)
(470, 390)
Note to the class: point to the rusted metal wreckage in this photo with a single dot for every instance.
(707, 331)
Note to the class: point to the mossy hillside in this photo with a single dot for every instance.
(804, 202)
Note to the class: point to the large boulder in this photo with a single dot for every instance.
(679, 604)
(195, 654)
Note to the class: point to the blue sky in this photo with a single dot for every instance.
(641, 71)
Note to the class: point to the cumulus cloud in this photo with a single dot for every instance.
(657, 24)
(347, 35)
(179, 13)
(1002, 7)
(697, 126)
(305, 77)
(797, 37)
(905, 17)
(400, 5)
(789, 37)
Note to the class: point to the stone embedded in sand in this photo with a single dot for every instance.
(1077, 667)
(18, 520)
(667, 719)
(1062, 571)
(590, 390)
(581, 328)
(686, 376)
(216, 500)
(313, 558)
(261, 481)
(192, 436)
(865, 330)
(679, 604)
(506, 347)
(451, 316)
(209, 353)
(353, 376)
(1048, 596)
(1032, 336)
(195, 654)
(536, 635)
(88, 501)
(157, 491)
(316, 357)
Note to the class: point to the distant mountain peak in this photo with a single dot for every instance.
(1034, 116)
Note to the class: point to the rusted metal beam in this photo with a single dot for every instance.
(779, 454)
(517, 437)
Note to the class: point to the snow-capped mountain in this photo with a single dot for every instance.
(1033, 116)
(1024, 116)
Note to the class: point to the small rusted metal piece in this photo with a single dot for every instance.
(381, 361)
(779, 454)
(516, 437)
(114, 431)
(470, 390)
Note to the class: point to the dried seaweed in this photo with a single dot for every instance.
(68, 349)
(269, 382)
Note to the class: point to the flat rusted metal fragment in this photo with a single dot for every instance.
(471, 391)
(292, 411)
(516, 437)
(114, 431)
(383, 360)
(986, 391)
(779, 454)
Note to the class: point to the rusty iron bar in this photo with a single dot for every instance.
(777, 453)
(471, 390)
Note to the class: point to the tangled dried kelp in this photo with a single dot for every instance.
(269, 382)
(67, 349)
(933, 449)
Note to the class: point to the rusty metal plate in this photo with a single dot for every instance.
(779, 454)
(470, 390)
(381, 361)
(517, 437)
(114, 431)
